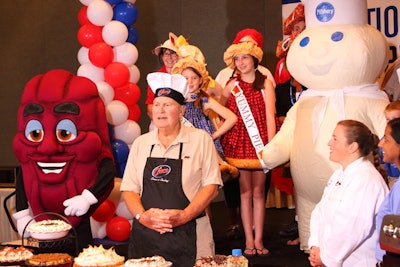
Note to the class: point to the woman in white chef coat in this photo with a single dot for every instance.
(342, 224)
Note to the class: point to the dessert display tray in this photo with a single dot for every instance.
(53, 245)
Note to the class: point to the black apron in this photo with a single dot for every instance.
(162, 188)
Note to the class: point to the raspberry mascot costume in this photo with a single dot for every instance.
(63, 147)
(338, 57)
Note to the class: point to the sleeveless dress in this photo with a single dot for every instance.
(199, 120)
(237, 145)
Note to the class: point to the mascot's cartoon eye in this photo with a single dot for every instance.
(337, 36)
(66, 131)
(34, 131)
(304, 42)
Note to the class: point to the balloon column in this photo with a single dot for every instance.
(107, 57)
(112, 218)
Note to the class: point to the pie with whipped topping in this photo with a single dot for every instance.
(49, 229)
(155, 261)
(94, 256)
(48, 226)
(50, 259)
(11, 254)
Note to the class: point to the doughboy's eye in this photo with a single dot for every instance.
(66, 131)
(337, 36)
(34, 131)
(304, 42)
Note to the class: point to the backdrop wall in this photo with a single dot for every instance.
(40, 35)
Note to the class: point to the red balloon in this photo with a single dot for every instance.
(101, 54)
(134, 112)
(105, 211)
(90, 34)
(118, 229)
(82, 16)
(129, 94)
(116, 74)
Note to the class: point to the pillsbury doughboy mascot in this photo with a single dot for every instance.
(339, 58)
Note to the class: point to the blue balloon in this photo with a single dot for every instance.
(120, 150)
(126, 13)
(121, 169)
(114, 2)
(133, 35)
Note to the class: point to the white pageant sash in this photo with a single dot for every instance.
(249, 122)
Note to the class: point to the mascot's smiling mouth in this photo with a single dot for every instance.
(50, 167)
(320, 69)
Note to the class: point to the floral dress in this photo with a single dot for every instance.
(199, 120)
(237, 145)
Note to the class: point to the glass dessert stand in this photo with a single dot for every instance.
(53, 243)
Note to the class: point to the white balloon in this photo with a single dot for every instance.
(134, 76)
(86, 2)
(98, 228)
(115, 33)
(83, 55)
(99, 12)
(106, 92)
(92, 72)
(123, 211)
(117, 112)
(127, 131)
(126, 53)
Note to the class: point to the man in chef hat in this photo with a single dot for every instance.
(171, 176)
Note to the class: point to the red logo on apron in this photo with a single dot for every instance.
(161, 171)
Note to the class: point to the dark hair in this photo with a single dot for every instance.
(395, 126)
(162, 51)
(356, 131)
(259, 78)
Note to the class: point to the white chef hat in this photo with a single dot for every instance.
(169, 85)
(330, 12)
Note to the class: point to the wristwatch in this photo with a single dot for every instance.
(137, 217)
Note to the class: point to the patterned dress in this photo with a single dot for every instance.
(237, 145)
(199, 120)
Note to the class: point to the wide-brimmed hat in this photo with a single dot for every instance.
(169, 85)
(241, 48)
(189, 62)
(168, 44)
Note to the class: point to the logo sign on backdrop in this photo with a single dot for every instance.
(382, 14)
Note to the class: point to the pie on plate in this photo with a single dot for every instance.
(49, 229)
